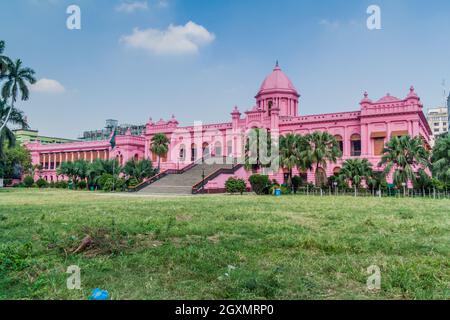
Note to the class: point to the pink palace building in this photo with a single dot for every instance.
(360, 133)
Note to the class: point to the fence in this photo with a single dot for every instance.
(380, 193)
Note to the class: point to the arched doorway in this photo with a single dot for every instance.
(218, 149)
(205, 149)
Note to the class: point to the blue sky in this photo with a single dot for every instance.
(107, 70)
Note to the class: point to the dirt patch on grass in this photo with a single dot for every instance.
(215, 239)
(101, 241)
(181, 218)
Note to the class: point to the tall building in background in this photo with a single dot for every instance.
(29, 136)
(110, 125)
(438, 119)
(448, 113)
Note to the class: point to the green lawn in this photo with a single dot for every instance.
(293, 247)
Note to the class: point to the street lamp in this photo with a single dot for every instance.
(335, 186)
(203, 178)
(404, 189)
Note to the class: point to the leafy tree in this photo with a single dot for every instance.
(404, 155)
(16, 83)
(354, 171)
(323, 149)
(17, 161)
(441, 159)
(139, 170)
(7, 138)
(160, 146)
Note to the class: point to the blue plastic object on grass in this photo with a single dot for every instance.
(98, 294)
(278, 192)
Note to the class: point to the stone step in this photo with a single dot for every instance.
(182, 183)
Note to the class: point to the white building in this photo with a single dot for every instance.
(438, 121)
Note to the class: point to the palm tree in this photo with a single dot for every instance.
(404, 155)
(7, 138)
(4, 60)
(17, 80)
(258, 149)
(160, 146)
(138, 170)
(293, 154)
(81, 168)
(323, 149)
(354, 171)
(67, 169)
(441, 159)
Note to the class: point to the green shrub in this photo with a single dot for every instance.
(103, 179)
(28, 182)
(62, 184)
(41, 184)
(82, 185)
(114, 185)
(235, 185)
(260, 184)
(133, 182)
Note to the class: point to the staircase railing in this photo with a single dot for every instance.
(163, 174)
(200, 186)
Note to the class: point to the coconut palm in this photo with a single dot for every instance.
(7, 138)
(258, 149)
(323, 149)
(160, 146)
(138, 170)
(16, 83)
(404, 155)
(67, 169)
(81, 168)
(441, 159)
(4, 60)
(293, 154)
(354, 171)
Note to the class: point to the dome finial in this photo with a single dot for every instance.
(277, 66)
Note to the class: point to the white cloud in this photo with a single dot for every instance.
(163, 3)
(330, 24)
(130, 7)
(48, 86)
(185, 39)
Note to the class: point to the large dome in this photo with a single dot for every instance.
(277, 81)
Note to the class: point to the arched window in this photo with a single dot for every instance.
(336, 171)
(355, 141)
(230, 148)
(269, 107)
(205, 149)
(340, 142)
(193, 152)
(182, 152)
(218, 149)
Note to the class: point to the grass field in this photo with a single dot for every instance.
(223, 247)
